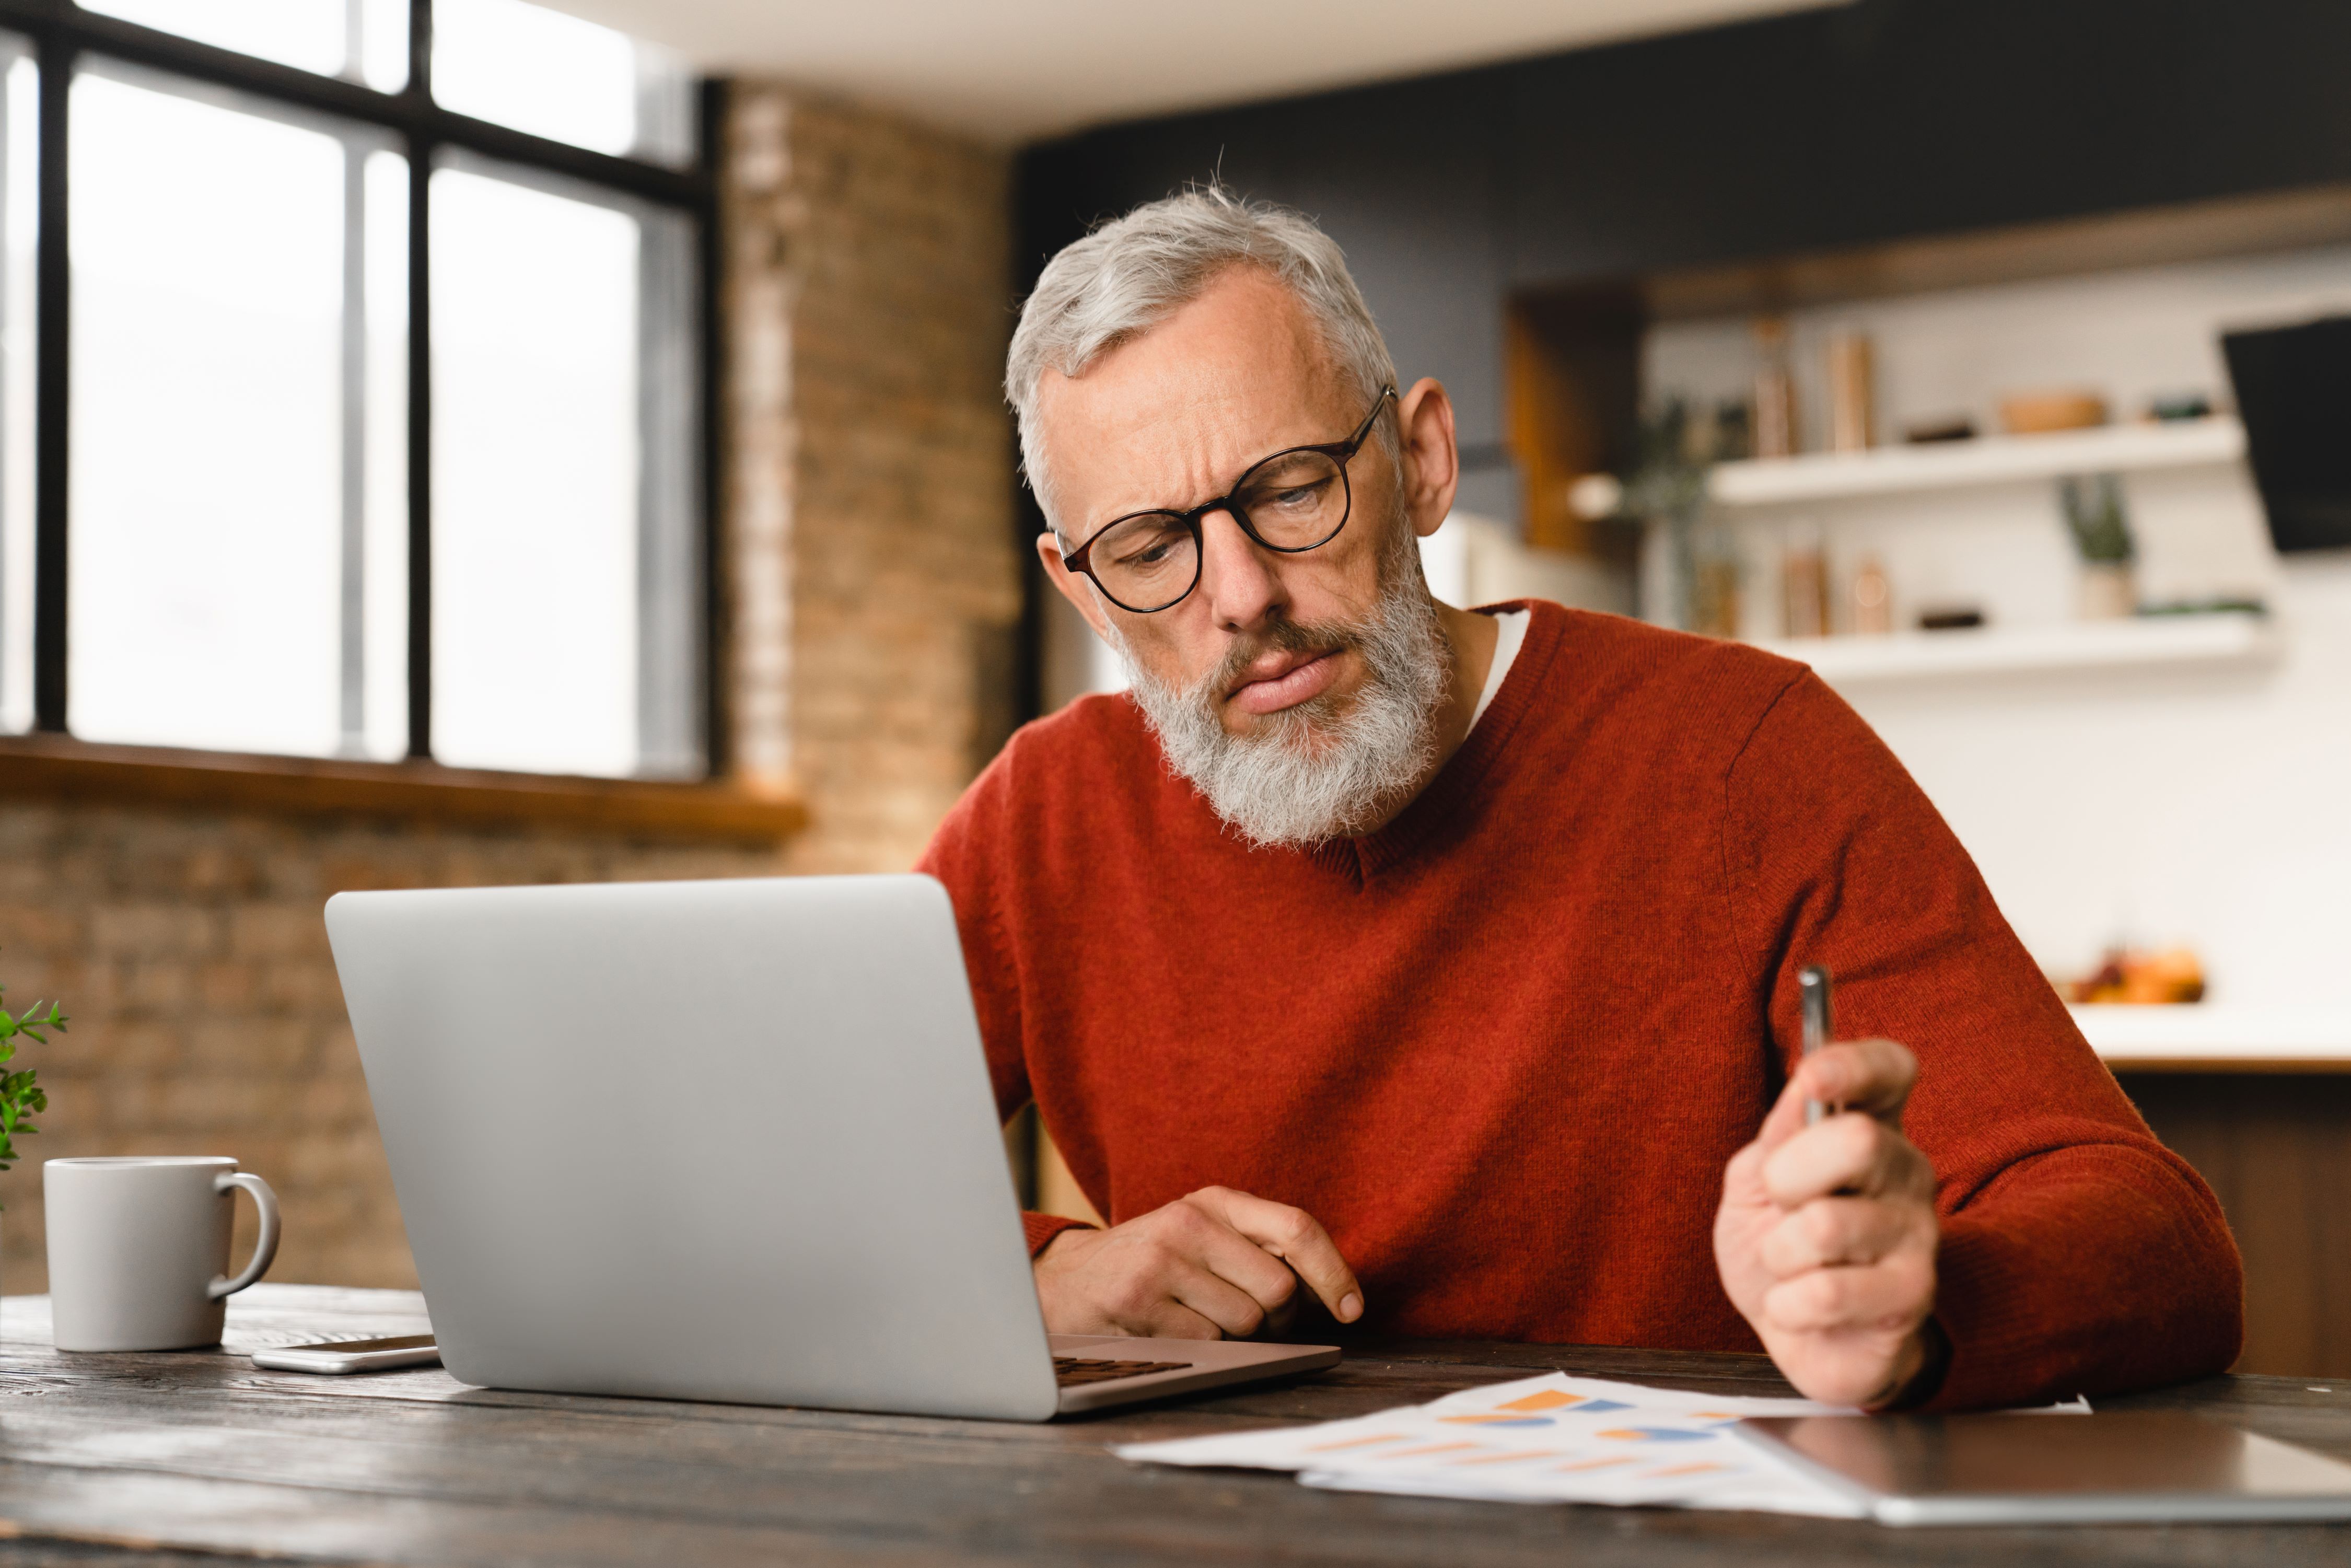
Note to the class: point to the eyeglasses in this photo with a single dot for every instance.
(1291, 502)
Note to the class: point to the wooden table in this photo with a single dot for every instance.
(146, 1460)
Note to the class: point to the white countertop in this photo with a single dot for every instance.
(2220, 1036)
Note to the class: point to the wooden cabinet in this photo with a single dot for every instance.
(2276, 1148)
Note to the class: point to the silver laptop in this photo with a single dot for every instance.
(718, 1140)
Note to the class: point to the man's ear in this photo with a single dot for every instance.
(1079, 590)
(1432, 463)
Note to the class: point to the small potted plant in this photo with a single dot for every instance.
(2102, 536)
(21, 1094)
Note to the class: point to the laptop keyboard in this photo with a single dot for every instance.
(1070, 1370)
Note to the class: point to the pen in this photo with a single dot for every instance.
(1812, 993)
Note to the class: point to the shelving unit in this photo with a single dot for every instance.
(1986, 460)
(2207, 1037)
(2220, 641)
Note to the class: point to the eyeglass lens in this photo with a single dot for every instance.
(1292, 501)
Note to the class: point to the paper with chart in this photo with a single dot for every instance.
(1553, 1438)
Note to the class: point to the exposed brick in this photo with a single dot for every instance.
(257, 1047)
(301, 987)
(338, 1103)
(228, 983)
(152, 930)
(157, 985)
(278, 931)
(870, 295)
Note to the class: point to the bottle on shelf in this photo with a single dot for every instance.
(1853, 393)
(1804, 584)
(1714, 580)
(1775, 430)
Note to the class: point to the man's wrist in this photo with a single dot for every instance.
(1044, 1229)
(1925, 1380)
(1056, 1240)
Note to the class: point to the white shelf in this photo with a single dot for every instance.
(2219, 1037)
(2218, 640)
(1985, 460)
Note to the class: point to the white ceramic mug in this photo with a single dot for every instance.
(139, 1248)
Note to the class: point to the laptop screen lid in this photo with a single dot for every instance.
(707, 1140)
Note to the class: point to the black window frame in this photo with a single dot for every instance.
(60, 32)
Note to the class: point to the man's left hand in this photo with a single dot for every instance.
(1826, 1235)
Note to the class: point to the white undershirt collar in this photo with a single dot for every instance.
(1512, 626)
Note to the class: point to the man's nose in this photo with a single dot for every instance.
(1238, 578)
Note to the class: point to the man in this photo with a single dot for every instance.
(1445, 962)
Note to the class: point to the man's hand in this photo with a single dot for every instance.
(1216, 1264)
(1826, 1235)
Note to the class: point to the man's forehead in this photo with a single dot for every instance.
(1224, 379)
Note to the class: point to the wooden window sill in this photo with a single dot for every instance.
(45, 766)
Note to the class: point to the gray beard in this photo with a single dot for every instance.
(1312, 773)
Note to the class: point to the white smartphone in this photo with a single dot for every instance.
(352, 1354)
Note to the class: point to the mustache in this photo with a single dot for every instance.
(1285, 636)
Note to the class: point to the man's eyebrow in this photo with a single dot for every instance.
(1219, 493)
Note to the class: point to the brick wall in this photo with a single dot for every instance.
(872, 592)
(868, 264)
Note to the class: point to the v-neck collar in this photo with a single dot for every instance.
(1444, 804)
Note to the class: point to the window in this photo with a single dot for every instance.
(565, 547)
(227, 487)
(244, 503)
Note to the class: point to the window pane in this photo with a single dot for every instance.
(564, 571)
(19, 172)
(364, 40)
(230, 297)
(557, 77)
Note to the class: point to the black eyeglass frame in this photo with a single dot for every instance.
(1341, 452)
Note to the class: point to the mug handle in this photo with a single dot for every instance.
(264, 1249)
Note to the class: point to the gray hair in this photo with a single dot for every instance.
(1130, 274)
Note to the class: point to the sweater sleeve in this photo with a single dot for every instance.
(967, 854)
(2078, 1254)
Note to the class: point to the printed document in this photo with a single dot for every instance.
(1553, 1438)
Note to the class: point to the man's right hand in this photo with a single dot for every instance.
(1216, 1264)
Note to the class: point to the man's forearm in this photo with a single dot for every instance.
(2086, 1270)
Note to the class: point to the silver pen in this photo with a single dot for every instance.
(1812, 993)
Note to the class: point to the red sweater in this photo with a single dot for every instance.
(1503, 1047)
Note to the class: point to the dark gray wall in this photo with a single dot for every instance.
(1884, 118)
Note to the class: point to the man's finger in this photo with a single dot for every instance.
(1296, 1238)
(1224, 1252)
(1846, 1154)
(1831, 1231)
(1896, 1293)
(1235, 1312)
(1872, 1076)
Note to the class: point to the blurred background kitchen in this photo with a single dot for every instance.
(471, 442)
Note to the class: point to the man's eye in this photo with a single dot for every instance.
(1148, 551)
(1292, 498)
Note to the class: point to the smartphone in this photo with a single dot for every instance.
(352, 1354)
